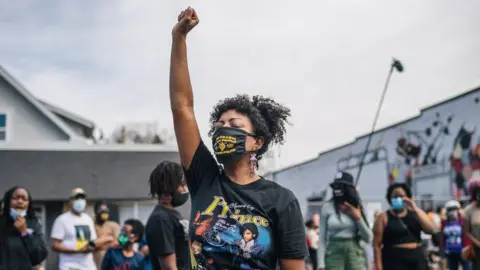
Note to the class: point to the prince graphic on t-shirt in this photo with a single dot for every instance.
(240, 226)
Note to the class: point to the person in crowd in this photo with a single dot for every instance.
(107, 231)
(472, 223)
(454, 240)
(434, 217)
(166, 230)
(463, 205)
(73, 235)
(22, 246)
(242, 130)
(316, 220)
(442, 213)
(397, 240)
(312, 241)
(143, 248)
(343, 226)
(125, 257)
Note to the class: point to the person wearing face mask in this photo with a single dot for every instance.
(73, 235)
(226, 196)
(454, 240)
(343, 228)
(166, 229)
(125, 257)
(397, 240)
(107, 232)
(471, 225)
(21, 239)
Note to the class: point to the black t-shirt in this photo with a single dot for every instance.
(166, 234)
(236, 226)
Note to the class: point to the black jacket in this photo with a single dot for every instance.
(17, 253)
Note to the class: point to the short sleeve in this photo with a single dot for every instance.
(58, 229)
(93, 234)
(291, 233)
(106, 262)
(203, 169)
(143, 242)
(160, 234)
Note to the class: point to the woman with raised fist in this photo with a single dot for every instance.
(239, 219)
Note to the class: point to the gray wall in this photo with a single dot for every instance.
(25, 122)
(434, 178)
(51, 175)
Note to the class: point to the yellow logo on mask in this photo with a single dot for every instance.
(221, 146)
(224, 145)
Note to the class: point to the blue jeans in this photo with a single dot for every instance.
(454, 260)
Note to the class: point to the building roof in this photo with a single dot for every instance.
(30, 98)
(69, 115)
(120, 173)
(450, 99)
(50, 111)
(83, 147)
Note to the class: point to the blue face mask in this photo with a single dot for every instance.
(79, 205)
(14, 213)
(398, 204)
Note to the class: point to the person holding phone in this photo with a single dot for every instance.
(343, 225)
(397, 232)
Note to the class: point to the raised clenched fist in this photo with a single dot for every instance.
(187, 20)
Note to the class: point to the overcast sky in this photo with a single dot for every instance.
(326, 60)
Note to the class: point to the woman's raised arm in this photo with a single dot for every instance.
(181, 95)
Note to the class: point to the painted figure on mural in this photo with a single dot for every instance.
(417, 148)
(464, 161)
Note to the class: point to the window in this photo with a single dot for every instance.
(3, 126)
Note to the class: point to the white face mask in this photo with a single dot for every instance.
(79, 205)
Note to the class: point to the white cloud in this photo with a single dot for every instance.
(327, 60)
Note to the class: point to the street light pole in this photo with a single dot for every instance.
(396, 65)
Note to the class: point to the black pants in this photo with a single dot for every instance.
(403, 259)
(313, 257)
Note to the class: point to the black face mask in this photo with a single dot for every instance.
(179, 199)
(229, 144)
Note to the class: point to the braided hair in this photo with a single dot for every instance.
(165, 179)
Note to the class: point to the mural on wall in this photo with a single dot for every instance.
(419, 148)
(443, 145)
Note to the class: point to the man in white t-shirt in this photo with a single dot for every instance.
(73, 235)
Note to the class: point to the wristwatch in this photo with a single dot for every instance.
(91, 245)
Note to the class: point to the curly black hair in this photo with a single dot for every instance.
(165, 178)
(249, 227)
(137, 228)
(394, 186)
(267, 116)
